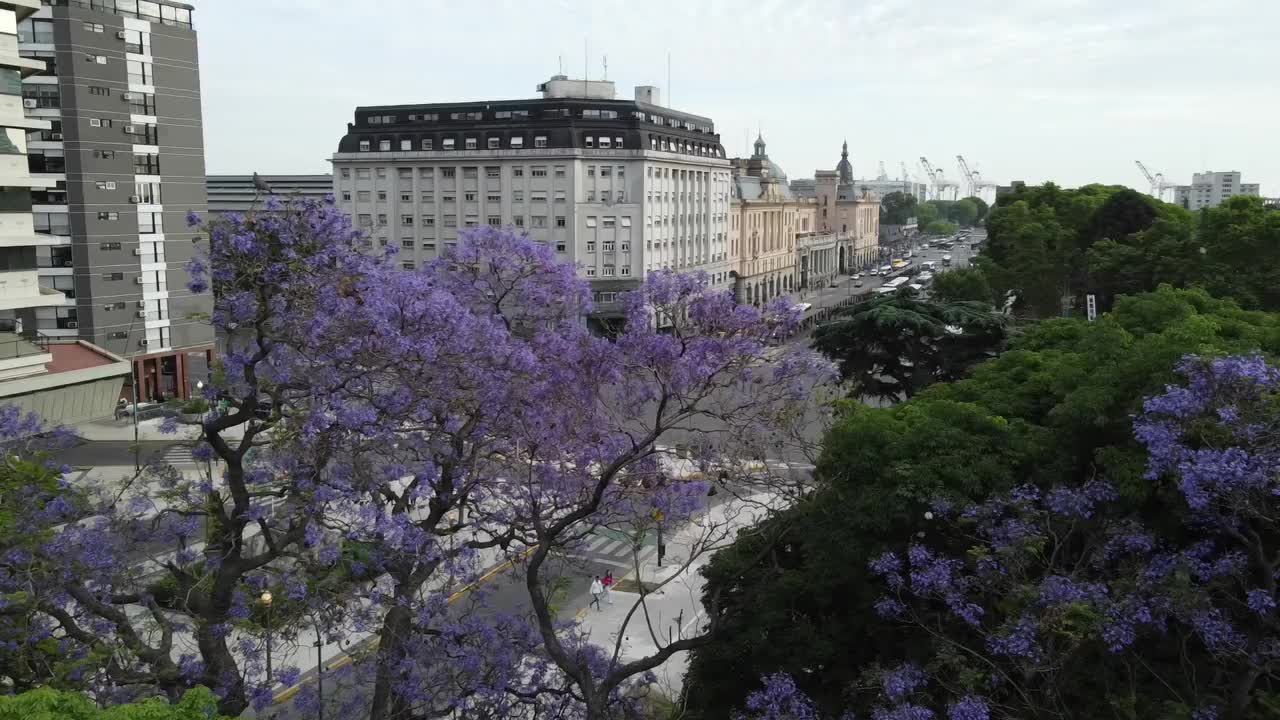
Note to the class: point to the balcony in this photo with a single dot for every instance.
(21, 289)
(21, 357)
(17, 230)
(15, 172)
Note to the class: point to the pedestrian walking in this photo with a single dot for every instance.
(597, 589)
(607, 583)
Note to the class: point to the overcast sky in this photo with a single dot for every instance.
(1066, 90)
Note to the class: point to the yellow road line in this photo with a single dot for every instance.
(288, 693)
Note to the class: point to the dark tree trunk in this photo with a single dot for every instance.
(221, 670)
(387, 704)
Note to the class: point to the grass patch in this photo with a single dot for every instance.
(632, 585)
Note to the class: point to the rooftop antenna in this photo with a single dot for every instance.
(606, 67)
(669, 103)
(560, 64)
(586, 67)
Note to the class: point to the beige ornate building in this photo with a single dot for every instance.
(765, 218)
(853, 213)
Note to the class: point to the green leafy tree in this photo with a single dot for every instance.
(940, 227)
(962, 284)
(926, 213)
(50, 704)
(893, 347)
(980, 205)
(896, 208)
(964, 212)
(1055, 409)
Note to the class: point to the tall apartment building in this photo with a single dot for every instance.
(237, 193)
(1210, 189)
(125, 151)
(621, 187)
(63, 382)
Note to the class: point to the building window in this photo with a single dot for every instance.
(108, 216)
(591, 272)
(493, 143)
(406, 221)
(472, 143)
(591, 221)
(518, 220)
(364, 220)
(346, 173)
(493, 172)
(538, 196)
(150, 223)
(559, 247)
(494, 220)
(384, 145)
(517, 196)
(538, 221)
(591, 246)
(136, 41)
(609, 221)
(426, 143)
(451, 221)
(346, 195)
(517, 171)
(471, 220)
(608, 246)
(139, 73)
(407, 265)
(448, 198)
(607, 271)
(625, 270)
(605, 143)
(606, 171)
(428, 221)
(99, 90)
(559, 171)
(406, 197)
(447, 143)
(517, 142)
(364, 195)
(539, 171)
(540, 141)
(617, 142)
(146, 164)
(406, 145)
(589, 141)
(448, 172)
(493, 198)
(560, 220)
(626, 220)
(364, 146)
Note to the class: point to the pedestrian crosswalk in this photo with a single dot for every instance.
(179, 454)
(611, 547)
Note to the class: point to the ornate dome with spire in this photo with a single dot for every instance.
(845, 168)
(761, 166)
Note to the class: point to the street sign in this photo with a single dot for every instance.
(1091, 306)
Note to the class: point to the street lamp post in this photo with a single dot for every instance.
(266, 603)
(319, 673)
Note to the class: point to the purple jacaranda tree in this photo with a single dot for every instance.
(378, 438)
(1073, 601)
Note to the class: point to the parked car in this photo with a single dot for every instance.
(924, 246)
(857, 283)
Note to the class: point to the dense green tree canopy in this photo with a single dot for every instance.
(926, 213)
(1055, 409)
(894, 346)
(940, 227)
(1054, 246)
(50, 704)
(981, 206)
(897, 208)
(961, 284)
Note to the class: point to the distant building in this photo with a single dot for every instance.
(622, 187)
(1210, 189)
(236, 193)
(854, 213)
(1011, 189)
(765, 218)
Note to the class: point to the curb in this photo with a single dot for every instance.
(372, 643)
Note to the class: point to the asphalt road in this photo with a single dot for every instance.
(105, 453)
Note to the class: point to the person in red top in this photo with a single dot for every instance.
(608, 586)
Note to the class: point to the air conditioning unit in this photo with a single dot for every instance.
(137, 251)
(127, 96)
(128, 129)
(142, 303)
(68, 263)
(121, 34)
(55, 136)
(142, 313)
(72, 325)
(143, 342)
(138, 280)
(135, 199)
(28, 103)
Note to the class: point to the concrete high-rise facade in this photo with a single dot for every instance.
(621, 187)
(124, 154)
(1210, 189)
(62, 380)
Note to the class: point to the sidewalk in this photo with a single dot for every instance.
(674, 610)
(122, 431)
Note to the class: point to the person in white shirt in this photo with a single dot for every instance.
(597, 589)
